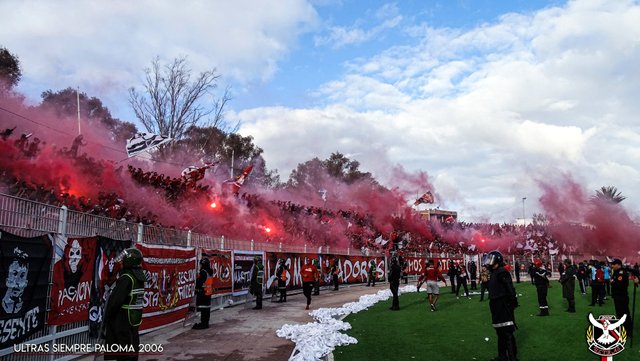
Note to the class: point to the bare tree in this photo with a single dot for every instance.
(172, 102)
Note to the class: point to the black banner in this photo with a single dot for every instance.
(24, 284)
(105, 275)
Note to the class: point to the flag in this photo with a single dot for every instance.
(236, 184)
(196, 173)
(144, 141)
(426, 198)
(323, 194)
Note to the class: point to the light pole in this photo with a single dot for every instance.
(523, 214)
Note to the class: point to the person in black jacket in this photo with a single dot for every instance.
(281, 275)
(452, 273)
(502, 303)
(568, 285)
(394, 282)
(541, 280)
(620, 293)
(203, 294)
(257, 278)
(123, 313)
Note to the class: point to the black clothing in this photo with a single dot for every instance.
(568, 287)
(282, 283)
(620, 294)
(517, 270)
(502, 302)
(307, 287)
(117, 319)
(203, 302)
(473, 274)
(462, 279)
(452, 273)
(257, 275)
(541, 280)
(334, 276)
(394, 284)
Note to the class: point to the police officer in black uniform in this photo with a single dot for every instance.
(394, 282)
(123, 313)
(541, 280)
(502, 302)
(620, 293)
(203, 298)
(452, 273)
(255, 285)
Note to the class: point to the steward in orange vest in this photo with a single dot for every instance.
(204, 290)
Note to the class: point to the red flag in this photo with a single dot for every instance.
(426, 198)
(236, 184)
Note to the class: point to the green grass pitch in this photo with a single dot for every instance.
(457, 330)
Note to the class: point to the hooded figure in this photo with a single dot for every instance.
(123, 314)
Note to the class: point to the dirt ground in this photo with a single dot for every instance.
(240, 333)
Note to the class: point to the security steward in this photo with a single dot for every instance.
(394, 282)
(281, 274)
(204, 290)
(567, 279)
(620, 293)
(371, 274)
(255, 285)
(123, 313)
(541, 280)
(502, 303)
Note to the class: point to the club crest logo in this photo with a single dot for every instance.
(606, 335)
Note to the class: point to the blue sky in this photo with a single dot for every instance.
(488, 97)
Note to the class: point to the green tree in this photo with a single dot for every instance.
(315, 173)
(608, 194)
(65, 104)
(10, 70)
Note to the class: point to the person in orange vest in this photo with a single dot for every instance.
(204, 290)
(281, 274)
(309, 273)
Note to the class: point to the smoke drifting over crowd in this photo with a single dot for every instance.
(44, 159)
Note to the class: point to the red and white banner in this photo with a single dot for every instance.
(222, 266)
(416, 265)
(294, 262)
(171, 274)
(353, 269)
(72, 280)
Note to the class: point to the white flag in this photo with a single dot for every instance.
(144, 141)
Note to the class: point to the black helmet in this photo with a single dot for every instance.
(492, 258)
(131, 257)
(204, 262)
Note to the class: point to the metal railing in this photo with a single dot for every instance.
(28, 218)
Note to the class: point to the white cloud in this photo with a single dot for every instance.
(340, 36)
(485, 110)
(105, 45)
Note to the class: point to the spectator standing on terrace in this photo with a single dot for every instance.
(281, 275)
(541, 278)
(462, 278)
(452, 273)
(394, 282)
(502, 303)
(567, 279)
(257, 277)
(309, 273)
(432, 275)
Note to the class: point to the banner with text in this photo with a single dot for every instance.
(24, 271)
(242, 263)
(72, 279)
(221, 264)
(171, 273)
(105, 275)
(352, 269)
(293, 262)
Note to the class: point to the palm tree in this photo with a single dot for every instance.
(608, 194)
